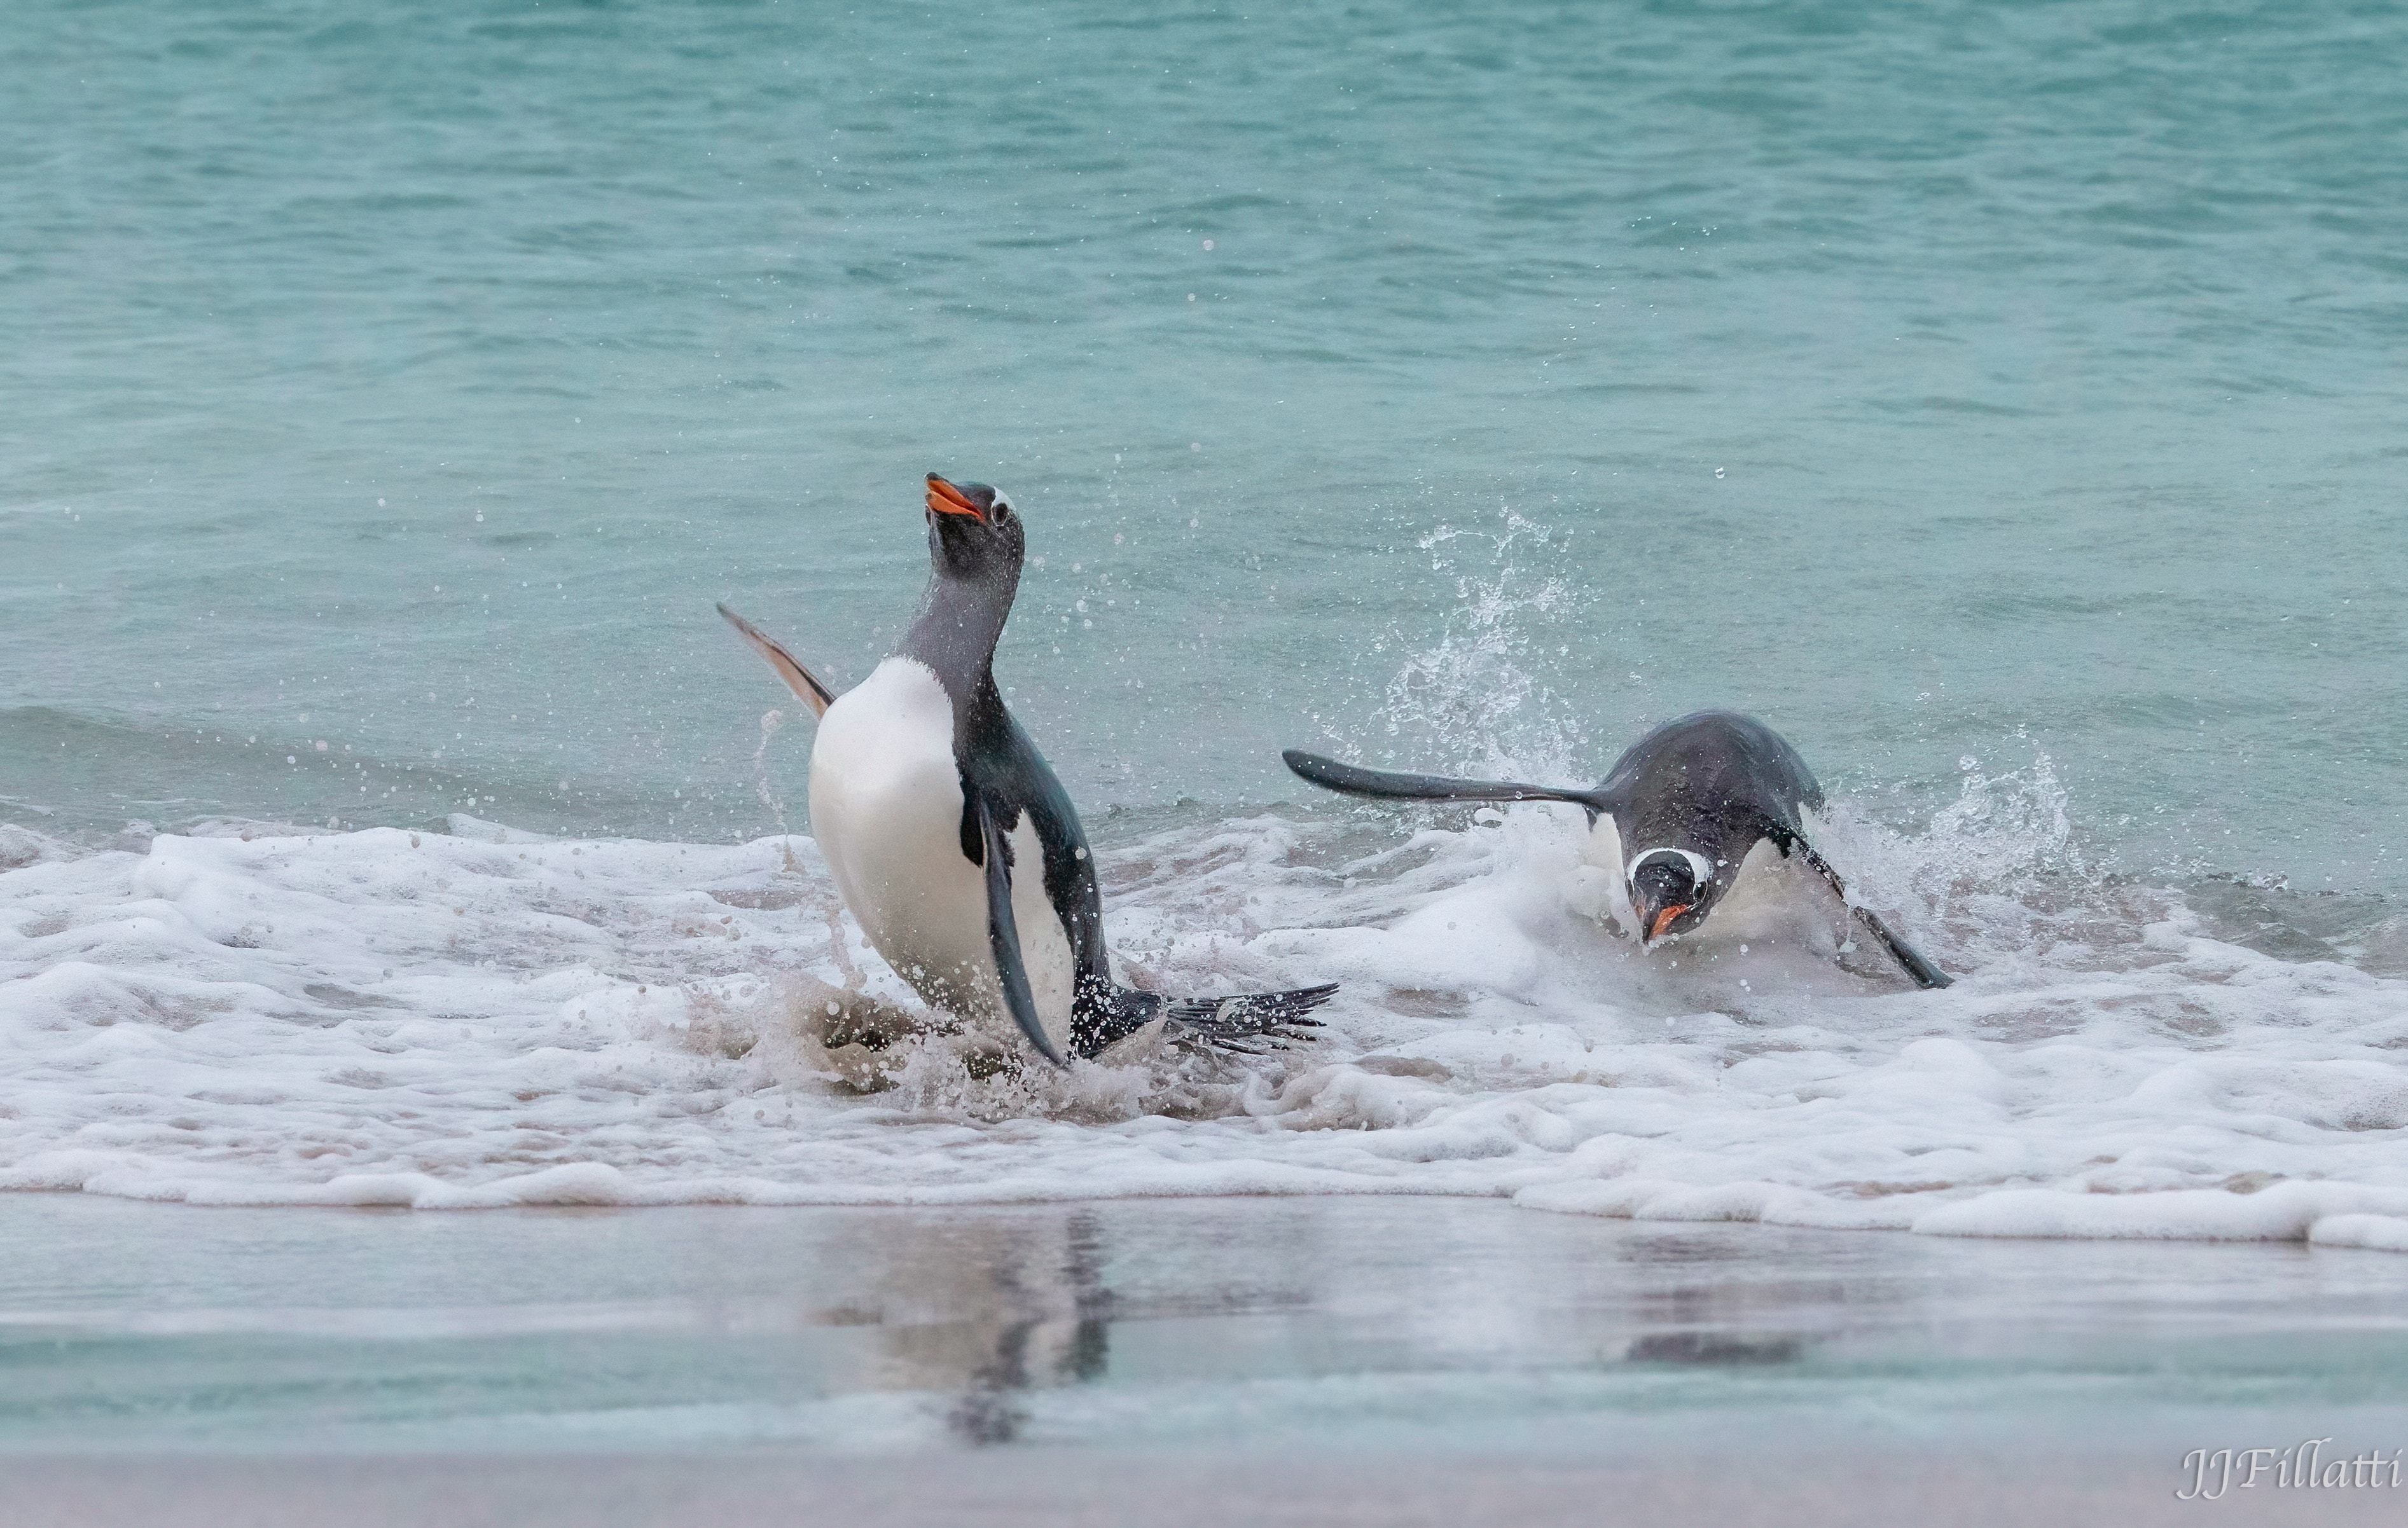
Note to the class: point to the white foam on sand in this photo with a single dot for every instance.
(486, 1018)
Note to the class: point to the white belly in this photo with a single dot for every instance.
(1776, 900)
(886, 808)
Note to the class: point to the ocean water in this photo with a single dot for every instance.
(2005, 406)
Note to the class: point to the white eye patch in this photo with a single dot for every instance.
(1701, 869)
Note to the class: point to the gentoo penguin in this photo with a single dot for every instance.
(1679, 815)
(950, 841)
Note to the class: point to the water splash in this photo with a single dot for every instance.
(770, 722)
(1471, 692)
(2009, 833)
(2000, 870)
(2004, 831)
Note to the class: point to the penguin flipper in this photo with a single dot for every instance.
(1355, 780)
(1909, 959)
(801, 680)
(1003, 937)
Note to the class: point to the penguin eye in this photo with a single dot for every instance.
(1002, 508)
(1699, 870)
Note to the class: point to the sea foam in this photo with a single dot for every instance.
(252, 1015)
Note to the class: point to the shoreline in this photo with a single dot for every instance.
(1944, 1488)
(1360, 1325)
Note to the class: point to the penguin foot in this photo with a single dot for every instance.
(1249, 1024)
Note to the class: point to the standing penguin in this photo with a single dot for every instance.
(1696, 796)
(951, 843)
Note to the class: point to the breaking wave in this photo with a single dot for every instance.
(249, 1013)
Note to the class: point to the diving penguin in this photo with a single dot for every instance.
(1696, 796)
(950, 841)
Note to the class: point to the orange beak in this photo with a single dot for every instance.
(945, 499)
(1664, 921)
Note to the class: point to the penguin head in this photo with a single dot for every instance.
(974, 534)
(1672, 890)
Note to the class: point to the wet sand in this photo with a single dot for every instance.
(1071, 1489)
(1391, 1360)
(1063, 1488)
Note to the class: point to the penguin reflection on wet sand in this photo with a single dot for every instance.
(951, 843)
(1682, 815)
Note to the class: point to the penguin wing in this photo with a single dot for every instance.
(1911, 960)
(801, 680)
(1003, 935)
(1355, 780)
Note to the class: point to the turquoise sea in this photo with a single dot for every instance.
(1936, 380)
(2005, 403)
